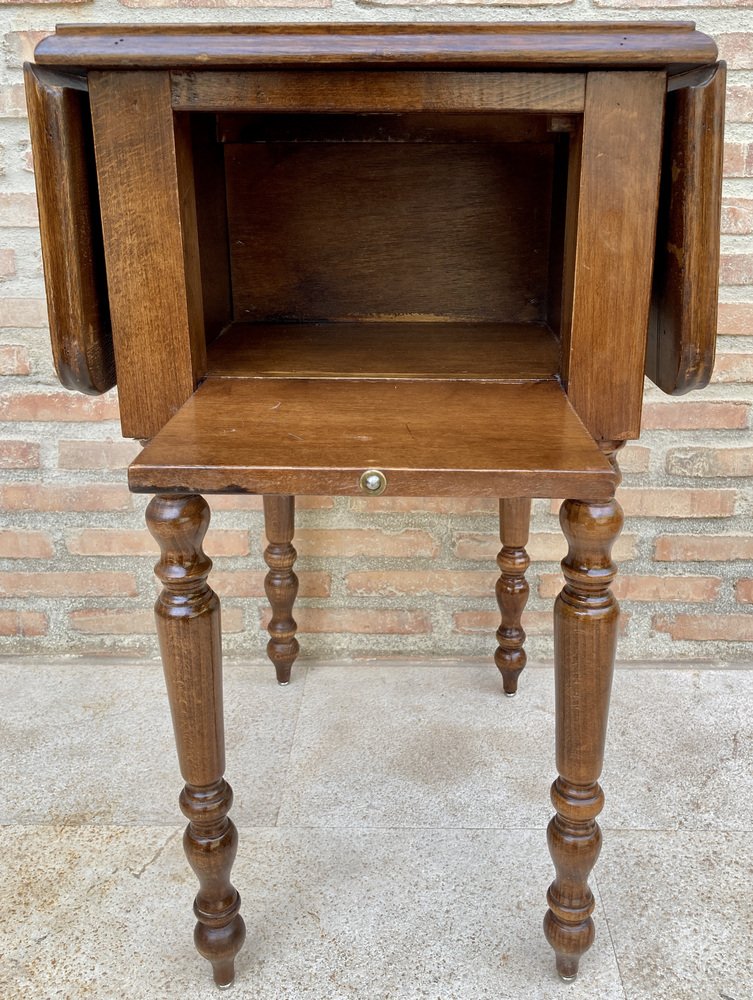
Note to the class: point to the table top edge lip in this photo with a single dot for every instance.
(646, 44)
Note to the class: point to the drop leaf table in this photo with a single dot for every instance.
(353, 260)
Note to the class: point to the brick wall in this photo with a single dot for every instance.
(380, 576)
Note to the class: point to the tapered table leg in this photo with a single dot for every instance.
(188, 626)
(512, 589)
(585, 633)
(281, 583)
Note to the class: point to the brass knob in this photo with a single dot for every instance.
(373, 482)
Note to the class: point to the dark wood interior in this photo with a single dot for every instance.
(279, 195)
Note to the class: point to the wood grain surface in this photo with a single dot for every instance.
(70, 231)
(380, 90)
(430, 438)
(143, 168)
(336, 231)
(614, 246)
(674, 45)
(682, 329)
(510, 351)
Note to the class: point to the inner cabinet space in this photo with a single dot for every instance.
(411, 245)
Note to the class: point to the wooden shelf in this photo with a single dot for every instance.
(429, 438)
(510, 352)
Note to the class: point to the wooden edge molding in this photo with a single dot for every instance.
(70, 230)
(682, 325)
(674, 46)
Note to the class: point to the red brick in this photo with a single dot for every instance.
(739, 106)
(374, 621)
(744, 591)
(58, 407)
(673, 502)
(736, 318)
(352, 542)
(33, 496)
(738, 159)
(18, 544)
(534, 622)
(23, 623)
(12, 101)
(703, 548)
(737, 216)
(736, 269)
(677, 502)
(107, 542)
(707, 628)
(24, 313)
(709, 462)
(14, 360)
(247, 502)
(634, 458)
(97, 454)
(681, 416)
(19, 455)
(20, 45)
(736, 48)
(19, 209)
(542, 546)
(104, 621)
(65, 584)
(688, 589)
(7, 263)
(248, 583)
(732, 368)
(421, 505)
(467, 583)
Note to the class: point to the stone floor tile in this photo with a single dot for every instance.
(439, 746)
(680, 750)
(87, 743)
(104, 912)
(680, 911)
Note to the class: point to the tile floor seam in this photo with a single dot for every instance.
(286, 786)
(605, 917)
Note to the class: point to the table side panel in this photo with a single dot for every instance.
(682, 329)
(617, 204)
(70, 230)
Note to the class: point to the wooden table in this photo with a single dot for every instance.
(364, 259)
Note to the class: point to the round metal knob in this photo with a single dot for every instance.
(373, 482)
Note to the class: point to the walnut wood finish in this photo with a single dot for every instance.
(682, 330)
(675, 45)
(281, 583)
(483, 257)
(188, 626)
(391, 90)
(512, 589)
(149, 223)
(613, 251)
(71, 230)
(461, 222)
(429, 438)
(517, 352)
(585, 637)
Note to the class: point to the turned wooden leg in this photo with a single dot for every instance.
(512, 589)
(585, 634)
(188, 625)
(281, 583)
